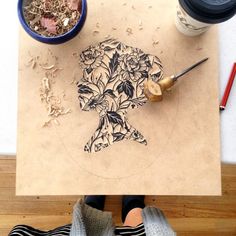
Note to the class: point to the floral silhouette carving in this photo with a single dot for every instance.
(113, 82)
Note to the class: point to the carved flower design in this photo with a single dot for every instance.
(133, 66)
(98, 103)
(112, 83)
(91, 58)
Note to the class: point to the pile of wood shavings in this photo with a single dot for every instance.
(49, 64)
(52, 17)
(51, 68)
(53, 103)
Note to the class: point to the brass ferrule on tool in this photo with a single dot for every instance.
(154, 90)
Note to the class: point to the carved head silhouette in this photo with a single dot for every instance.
(113, 82)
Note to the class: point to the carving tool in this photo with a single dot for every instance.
(154, 90)
(228, 88)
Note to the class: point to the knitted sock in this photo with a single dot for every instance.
(131, 202)
(95, 201)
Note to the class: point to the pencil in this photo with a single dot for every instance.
(228, 88)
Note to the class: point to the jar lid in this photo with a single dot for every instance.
(210, 11)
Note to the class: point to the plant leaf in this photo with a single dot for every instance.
(114, 117)
(101, 84)
(114, 63)
(110, 93)
(84, 89)
(140, 101)
(119, 46)
(101, 123)
(107, 48)
(128, 88)
(112, 78)
(125, 105)
(144, 74)
(89, 70)
(118, 136)
(143, 57)
(120, 88)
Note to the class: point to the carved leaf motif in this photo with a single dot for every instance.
(118, 136)
(127, 88)
(114, 118)
(120, 88)
(101, 123)
(125, 105)
(84, 89)
(89, 70)
(110, 93)
(114, 63)
(107, 48)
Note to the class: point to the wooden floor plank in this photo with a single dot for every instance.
(8, 165)
(7, 180)
(8, 194)
(203, 225)
(189, 216)
(228, 170)
(36, 208)
(38, 221)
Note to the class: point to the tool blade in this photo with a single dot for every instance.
(190, 68)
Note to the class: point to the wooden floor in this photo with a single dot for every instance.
(188, 215)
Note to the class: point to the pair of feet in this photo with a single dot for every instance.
(128, 203)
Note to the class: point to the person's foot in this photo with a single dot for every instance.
(95, 201)
(131, 202)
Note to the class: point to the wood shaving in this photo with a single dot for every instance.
(114, 28)
(155, 42)
(140, 25)
(56, 69)
(46, 85)
(56, 121)
(32, 63)
(64, 95)
(47, 67)
(95, 32)
(52, 102)
(67, 111)
(75, 77)
(129, 31)
(50, 65)
(75, 54)
(47, 123)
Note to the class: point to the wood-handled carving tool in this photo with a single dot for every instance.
(154, 90)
